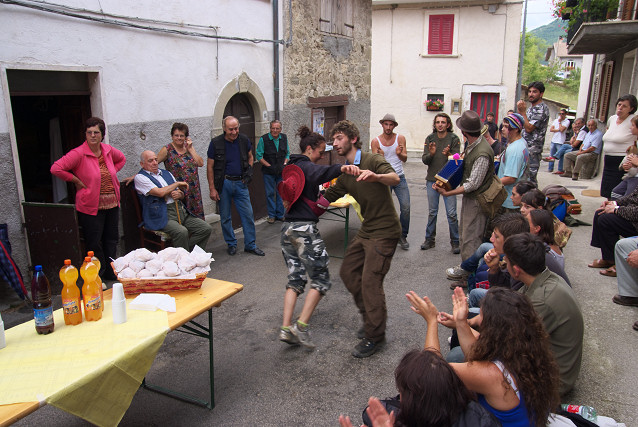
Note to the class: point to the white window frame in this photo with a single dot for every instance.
(426, 32)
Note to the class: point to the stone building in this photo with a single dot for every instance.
(327, 65)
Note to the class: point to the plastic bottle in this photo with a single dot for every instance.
(587, 412)
(97, 262)
(91, 296)
(42, 305)
(71, 300)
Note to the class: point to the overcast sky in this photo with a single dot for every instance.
(539, 13)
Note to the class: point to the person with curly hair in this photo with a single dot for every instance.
(430, 394)
(509, 364)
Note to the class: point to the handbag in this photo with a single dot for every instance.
(491, 199)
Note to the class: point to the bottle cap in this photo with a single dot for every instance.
(87, 259)
(90, 253)
(67, 262)
(38, 268)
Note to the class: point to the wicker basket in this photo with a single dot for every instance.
(138, 286)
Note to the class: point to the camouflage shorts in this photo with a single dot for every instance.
(305, 254)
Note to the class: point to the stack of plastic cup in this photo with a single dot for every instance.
(118, 304)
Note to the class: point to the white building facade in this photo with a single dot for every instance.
(463, 53)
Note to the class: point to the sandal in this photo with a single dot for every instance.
(609, 272)
(600, 263)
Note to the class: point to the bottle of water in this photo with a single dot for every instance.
(587, 412)
(42, 304)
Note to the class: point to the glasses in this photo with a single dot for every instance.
(93, 132)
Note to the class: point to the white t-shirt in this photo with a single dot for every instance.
(559, 137)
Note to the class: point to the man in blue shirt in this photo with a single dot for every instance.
(229, 170)
(587, 155)
(515, 158)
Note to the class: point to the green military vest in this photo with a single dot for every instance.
(482, 149)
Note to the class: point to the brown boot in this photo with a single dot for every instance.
(574, 177)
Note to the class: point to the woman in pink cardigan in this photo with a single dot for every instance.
(93, 168)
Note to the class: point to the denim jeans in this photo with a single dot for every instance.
(472, 263)
(237, 191)
(403, 196)
(476, 295)
(560, 155)
(273, 199)
(433, 206)
(553, 149)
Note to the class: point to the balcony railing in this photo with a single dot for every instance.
(581, 11)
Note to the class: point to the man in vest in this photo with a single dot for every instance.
(273, 153)
(229, 170)
(392, 146)
(162, 208)
(478, 168)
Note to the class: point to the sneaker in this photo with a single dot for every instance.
(403, 242)
(428, 244)
(549, 159)
(286, 336)
(270, 220)
(455, 248)
(558, 173)
(366, 348)
(303, 337)
(459, 284)
(456, 273)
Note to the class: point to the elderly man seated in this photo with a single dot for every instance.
(627, 267)
(162, 209)
(585, 158)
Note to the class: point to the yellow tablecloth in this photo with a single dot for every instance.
(91, 370)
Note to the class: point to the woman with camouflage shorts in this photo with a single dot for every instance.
(301, 244)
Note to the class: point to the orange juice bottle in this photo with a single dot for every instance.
(96, 261)
(71, 302)
(91, 291)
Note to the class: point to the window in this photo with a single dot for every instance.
(569, 65)
(337, 17)
(440, 34)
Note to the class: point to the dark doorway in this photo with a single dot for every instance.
(49, 109)
(239, 106)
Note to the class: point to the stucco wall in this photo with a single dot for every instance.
(485, 60)
(317, 65)
(144, 81)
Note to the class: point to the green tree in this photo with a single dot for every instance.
(573, 81)
(533, 70)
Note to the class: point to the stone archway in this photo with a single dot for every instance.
(242, 84)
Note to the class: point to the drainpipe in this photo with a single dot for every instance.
(275, 49)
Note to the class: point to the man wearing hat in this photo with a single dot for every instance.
(392, 146)
(515, 158)
(478, 168)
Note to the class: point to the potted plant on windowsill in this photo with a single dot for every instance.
(434, 104)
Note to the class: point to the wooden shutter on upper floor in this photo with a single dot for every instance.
(440, 34)
(337, 17)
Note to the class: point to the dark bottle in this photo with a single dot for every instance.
(42, 305)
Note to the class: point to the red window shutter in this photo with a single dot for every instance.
(440, 34)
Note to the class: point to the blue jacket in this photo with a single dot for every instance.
(154, 212)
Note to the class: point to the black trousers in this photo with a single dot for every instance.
(612, 176)
(606, 231)
(101, 234)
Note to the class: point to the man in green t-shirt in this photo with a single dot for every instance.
(440, 144)
(369, 255)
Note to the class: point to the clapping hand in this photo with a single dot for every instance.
(377, 413)
(422, 306)
(461, 308)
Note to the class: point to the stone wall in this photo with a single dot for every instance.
(318, 64)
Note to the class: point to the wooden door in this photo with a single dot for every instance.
(239, 106)
(332, 115)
